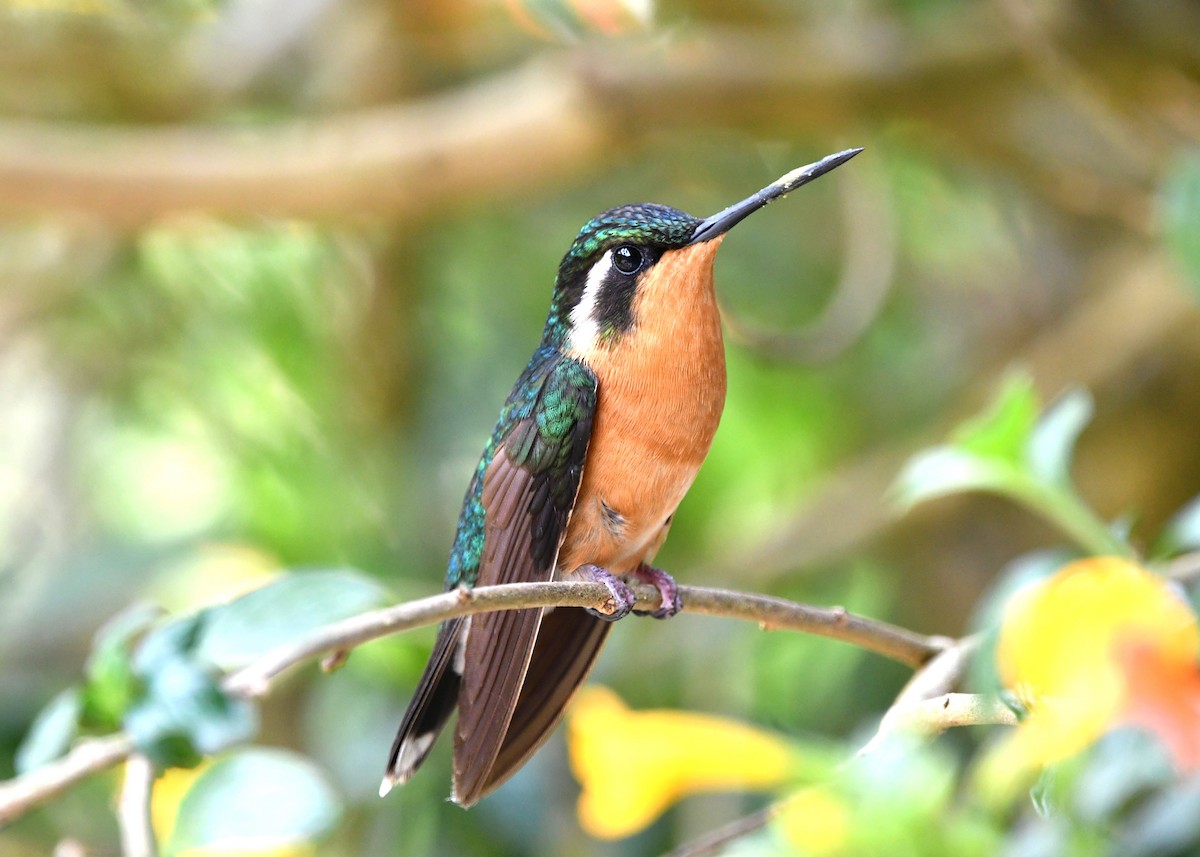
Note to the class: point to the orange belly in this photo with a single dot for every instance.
(661, 389)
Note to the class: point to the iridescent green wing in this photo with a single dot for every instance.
(511, 526)
(527, 493)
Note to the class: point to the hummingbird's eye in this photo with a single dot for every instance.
(627, 259)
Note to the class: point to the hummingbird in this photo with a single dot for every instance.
(594, 449)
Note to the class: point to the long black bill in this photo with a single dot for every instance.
(723, 221)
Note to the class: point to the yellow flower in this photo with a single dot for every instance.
(169, 789)
(1067, 646)
(815, 821)
(635, 764)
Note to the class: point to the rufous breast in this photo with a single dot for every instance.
(661, 390)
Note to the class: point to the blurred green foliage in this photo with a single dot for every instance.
(197, 400)
(1180, 210)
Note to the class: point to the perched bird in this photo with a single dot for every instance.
(595, 447)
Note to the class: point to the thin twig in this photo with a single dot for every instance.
(133, 808)
(924, 705)
(773, 613)
(926, 717)
(1184, 568)
(929, 717)
(942, 673)
(714, 842)
(934, 681)
(22, 793)
(255, 679)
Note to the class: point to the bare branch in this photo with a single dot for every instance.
(548, 119)
(1184, 568)
(772, 613)
(923, 716)
(925, 702)
(934, 716)
(22, 793)
(941, 674)
(714, 842)
(925, 705)
(255, 679)
(399, 158)
(133, 808)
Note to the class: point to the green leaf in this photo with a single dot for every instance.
(1002, 433)
(284, 610)
(52, 732)
(111, 684)
(1180, 216)
(900, 794)
(1182, 532)
(1009, 451)
(258, 797)
(186, 715)
(171, 641)
(1122, 766)
(1052, 440)
(1044, 794)
(1168, 824)
(947, 470)
(986, 453)
(1051, 794)
(183, 713)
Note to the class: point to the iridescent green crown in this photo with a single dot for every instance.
(647, 224)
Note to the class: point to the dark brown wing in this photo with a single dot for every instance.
(567, 645)
(528, 491)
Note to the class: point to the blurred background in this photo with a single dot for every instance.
(268, 269)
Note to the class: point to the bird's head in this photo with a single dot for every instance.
(621, 251)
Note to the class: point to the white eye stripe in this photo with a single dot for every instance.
(584, 327)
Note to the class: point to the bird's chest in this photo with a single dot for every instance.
(661, 390)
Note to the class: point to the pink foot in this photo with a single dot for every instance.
(666, 589)
(621, 595)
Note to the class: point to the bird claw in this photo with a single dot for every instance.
(667, 590)
(620, 596)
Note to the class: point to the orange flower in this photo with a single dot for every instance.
(1099, 644)
(1164, 698)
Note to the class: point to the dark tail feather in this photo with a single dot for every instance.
(496, 657)
(430, 708)
(567, 645)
